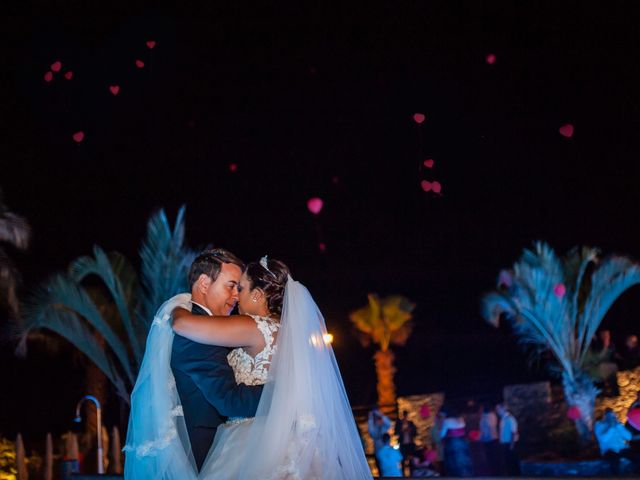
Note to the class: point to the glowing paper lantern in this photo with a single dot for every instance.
(425, 411)
(428, 163)
(418, 118)
(56, 66)
(151, 44)
(78, 136)
(426, 186)
(233, 167)
(559, 290)
(114, 89)
(48, 76)
(566, 130)
(634, 417)
(68, 75)
(436, 187)
(139, 64)
(315, 205)
(574, 413)
(490, 59)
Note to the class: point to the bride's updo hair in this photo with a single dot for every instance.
(271, 281)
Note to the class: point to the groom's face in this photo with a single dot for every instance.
(221, 296)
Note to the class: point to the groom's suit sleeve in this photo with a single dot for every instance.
(210, 371)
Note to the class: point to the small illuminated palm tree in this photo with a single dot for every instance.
(558, 305)
(383, 322)
(108, 320)
(15, 231)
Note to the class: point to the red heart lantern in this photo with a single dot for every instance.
(151, 44)
(425, 411)
(436, 187)
(490, 59)
(233, 167)
(566, 130)
(315, 205)
(56, 66)
(574, 413)
(139, 64)
(559, 290)
(78, 136)
(426, 186)
(418, 118)
(114, 89)
(68, 75)
(634, 418)
(428, 163)
(48, 77)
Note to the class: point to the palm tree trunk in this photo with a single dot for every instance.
(580, 392)
(385, 371)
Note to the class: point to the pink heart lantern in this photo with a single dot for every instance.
(490, 59)
(151, 44)
(566, 130)
(139, 64)
(559, 290)
(68, 75)
(426, 186)
(315, 205)
(418, 118)
(634, 417)
(78, 136)
(436, 187)
(573, 413)
(114, 89)
(48, 77)
(428, 163)
(56, 66)
(425, 411)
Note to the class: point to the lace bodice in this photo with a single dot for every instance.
(250, 370)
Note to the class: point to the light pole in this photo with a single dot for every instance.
(78, 419)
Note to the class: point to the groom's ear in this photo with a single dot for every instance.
(203, 283)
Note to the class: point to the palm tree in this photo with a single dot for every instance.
(558, 305)
(15, 231)
(108, 320)
(383, 322)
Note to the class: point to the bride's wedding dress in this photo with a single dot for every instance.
(225, 460)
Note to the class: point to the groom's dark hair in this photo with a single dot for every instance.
(210, 263)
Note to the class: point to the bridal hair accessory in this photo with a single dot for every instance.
(264, 262)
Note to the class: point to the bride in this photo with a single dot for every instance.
(303, 429)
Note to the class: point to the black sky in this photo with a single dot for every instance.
(296, 96)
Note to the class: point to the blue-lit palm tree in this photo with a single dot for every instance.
(104, 308)
(557, 305)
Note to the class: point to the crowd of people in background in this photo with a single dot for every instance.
(489, 447)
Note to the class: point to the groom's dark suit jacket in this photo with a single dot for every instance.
(208, 390)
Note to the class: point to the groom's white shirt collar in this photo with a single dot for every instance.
(202, 307)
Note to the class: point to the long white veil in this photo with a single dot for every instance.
(304, 427)
(157, 446)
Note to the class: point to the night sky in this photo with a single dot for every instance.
(319, 102)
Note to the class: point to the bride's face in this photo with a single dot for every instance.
(251, 302)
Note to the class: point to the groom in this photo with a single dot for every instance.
(205, 381)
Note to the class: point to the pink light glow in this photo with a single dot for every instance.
(78, 137)
(419, 118)
(428, 163)
(566, 130)
(559, 290)
(48, 76)
(139, 64)
(233, 167)
(68, 75)
(315, 205)
(56, 66)
(490, 59)
(114, 89)
(151, 44)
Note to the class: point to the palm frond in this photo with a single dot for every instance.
(613, 277)
(72, 327)
(62, 293)
(15, 230)
(101, 266)
(165, 263)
